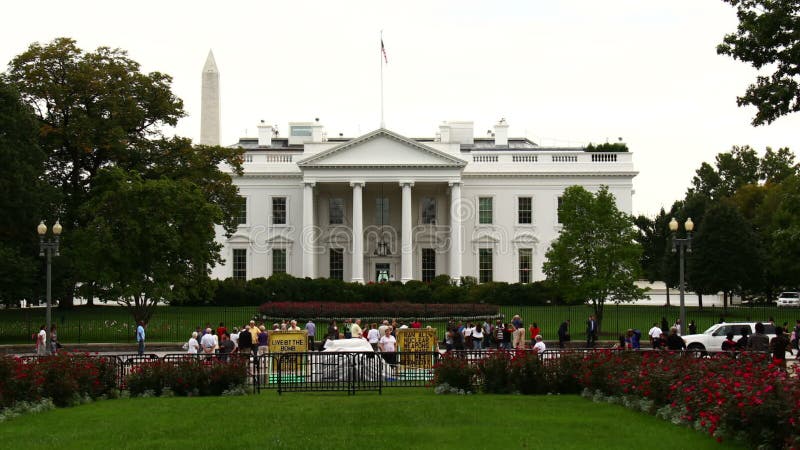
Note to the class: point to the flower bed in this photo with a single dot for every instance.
(64, 378)
(187, 377)
(399, 310)
(744, 398)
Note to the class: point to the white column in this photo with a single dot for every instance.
(358, 232)
(456, 250)
(307, 236)
(406, 253)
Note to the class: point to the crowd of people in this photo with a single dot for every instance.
(498, 335)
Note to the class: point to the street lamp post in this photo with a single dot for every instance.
(685, 245)
(49, 248)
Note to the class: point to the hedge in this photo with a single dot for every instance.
(286, 288)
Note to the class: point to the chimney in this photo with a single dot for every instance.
(501, 133)
(444, 133)
(264, 134)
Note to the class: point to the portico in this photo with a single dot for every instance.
(368, 178)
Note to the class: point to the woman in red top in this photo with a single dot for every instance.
(535, 331)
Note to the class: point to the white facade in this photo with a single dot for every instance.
(435, 189)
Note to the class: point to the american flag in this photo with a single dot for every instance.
(383, 50)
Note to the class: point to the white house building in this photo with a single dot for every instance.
(384, 206)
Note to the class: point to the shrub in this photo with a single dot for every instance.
(494, 373)
(187, 377)
(64, 378)
(455, 372)
(528, 374)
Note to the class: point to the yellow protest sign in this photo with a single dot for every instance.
(288, 342)
(415, 346)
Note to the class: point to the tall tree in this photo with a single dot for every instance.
(768, 36)
(595, 258)
(777, 166)
(23, 197)
(726, 253)
(653, 236)
(95, 109)
(97, 113)
(149, 240)
(731, 170)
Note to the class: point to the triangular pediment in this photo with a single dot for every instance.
(382, 148)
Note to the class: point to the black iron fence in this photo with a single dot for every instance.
(175, 324)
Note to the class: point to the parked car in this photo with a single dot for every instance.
(712, 338)
(789, 299)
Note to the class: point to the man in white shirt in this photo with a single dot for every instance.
(539, 347)
(207, 343)
(655, 334)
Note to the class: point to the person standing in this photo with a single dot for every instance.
(311, 329)
(54, 344)
(226, 347)
(655, 335)
(140, 336)
(245, 340)
(534, 331)
(518, 338)
(41, 341)
(563, 333)
(207, 342)
(333, 331)
(263, 341)
(355, 329)
(692, 327)
(388, 346)
(192, 346)
(591, 331)
(348, 328)
(293, 326)
(778, 346)
(477, 337)
(373, 337)
(674, 341)
(758, 342)
(539, 347)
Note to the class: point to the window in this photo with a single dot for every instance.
(524, 210)
(278, 260)
(485, 210)
(525, 257)
(381, 210)
(301, 131)
(336, 211)
(336, 264)
(240, 264)
(428, 210)
(240, 211)
(558, 211)
(428, 264)
(484, 265)
(279, 210)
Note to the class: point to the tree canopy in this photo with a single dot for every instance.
(99, 122)
(768, 37)
(595, 258)
(23, 200)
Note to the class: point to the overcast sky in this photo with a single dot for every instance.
(560, 72)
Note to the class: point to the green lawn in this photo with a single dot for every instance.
(175, 324)
(400, 418)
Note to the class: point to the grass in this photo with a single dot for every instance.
(400, 418)
(175, 324)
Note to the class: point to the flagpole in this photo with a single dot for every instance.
(380, 59)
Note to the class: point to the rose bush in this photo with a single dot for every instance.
(64, 378)
(405, 310)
